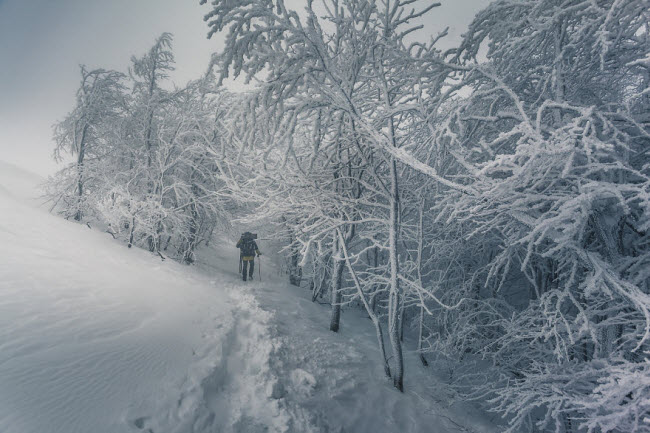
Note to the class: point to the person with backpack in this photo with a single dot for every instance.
(247, 250)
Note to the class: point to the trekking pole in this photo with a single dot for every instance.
(240, 264)
(259, 268)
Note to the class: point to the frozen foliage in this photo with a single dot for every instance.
(336, 110)
(493, 199)
(84, 133)
(495, 196)
(144, 166)
(553, 139)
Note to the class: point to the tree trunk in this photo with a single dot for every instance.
(319, 288)
(188, 254)
(338, 246)
(132, 232)
(401, 322)
(147, 139)
(369, 309)
(80, 169)
(420, 236)
(375, 288)
(295, 272)
(394, 299)
(423, 360)
(337, 277)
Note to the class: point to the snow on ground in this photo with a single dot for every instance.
(19, 183)
(333, 381)
(95, 337)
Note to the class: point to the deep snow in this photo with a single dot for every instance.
(95, 337)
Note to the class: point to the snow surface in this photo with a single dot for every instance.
(19, 183)
(95, 337)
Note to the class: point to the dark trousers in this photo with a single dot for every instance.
(251, 268)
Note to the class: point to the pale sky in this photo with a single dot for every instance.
(42, 43)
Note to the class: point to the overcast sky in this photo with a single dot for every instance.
(42, 43)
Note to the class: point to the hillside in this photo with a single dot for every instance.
(95, 337)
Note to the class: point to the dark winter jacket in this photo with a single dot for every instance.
(248, 249)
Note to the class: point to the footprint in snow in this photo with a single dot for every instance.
(140, 423)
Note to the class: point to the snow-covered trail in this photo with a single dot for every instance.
(334, 382)
(95, 337)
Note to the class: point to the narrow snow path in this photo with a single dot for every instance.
(95, 337)
(334, 382)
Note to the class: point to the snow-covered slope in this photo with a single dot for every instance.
(20, 184)
(95, 337)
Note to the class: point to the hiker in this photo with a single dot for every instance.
(247, 250)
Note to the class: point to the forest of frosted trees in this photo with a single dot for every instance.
(491, 201)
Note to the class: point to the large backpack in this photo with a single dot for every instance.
(248, 247)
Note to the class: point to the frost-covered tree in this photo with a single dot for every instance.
(84, 134)
(494, 198)
(149, 72)
(348, 62)
(522, 232)
(552, 138)
(146, 155)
